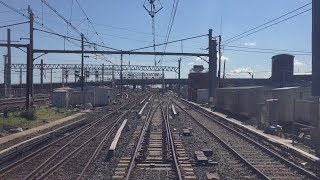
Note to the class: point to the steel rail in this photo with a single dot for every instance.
(171, 141)
(44, 164)
(265, 149)
(254, 169)
(109, 128)
(41, 150)
(139, 143)
(28, 157)
(99, 147)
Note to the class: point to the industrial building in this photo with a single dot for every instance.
(281, 99)
(96, 96)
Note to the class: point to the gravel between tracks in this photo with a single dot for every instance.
(228, 166)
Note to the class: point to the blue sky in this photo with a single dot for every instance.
(126, 25)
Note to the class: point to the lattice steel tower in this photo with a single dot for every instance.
(152, 12)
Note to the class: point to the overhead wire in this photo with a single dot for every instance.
(247, 33)
(170, 25)
(269, 49)
(26, 16)
(194, 37)
(92, 27)
(263, 52)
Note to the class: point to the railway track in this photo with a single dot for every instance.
(19, 103)
(259, 159)
(70, 156)
(158, 153)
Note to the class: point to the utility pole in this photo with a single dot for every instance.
(121, 76)
(5, 76)
(62, 77)
(219, 71)
(179, 77)
(224, 72)
(41, 74)
(152, 12)
(82, 64)
(315, 47)
(113, 84)
(51, 79)
(29, 88)
(20, 81)
(102, 74)
(212, 66)
(8, 69)
(66, 73)
(163, 85)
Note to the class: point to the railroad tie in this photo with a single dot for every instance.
(183, 159)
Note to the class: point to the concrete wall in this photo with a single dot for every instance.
(60, 99)
(102, 95)
(286, 97)
(202, 96)
(307, 112)
(78, 97)
(241, 100)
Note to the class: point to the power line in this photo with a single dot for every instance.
(72, 38)
(64, 19)
(239, 36)
(170, 25)
(264, 52)
(179, 40)
(269, 49)
(26, 16)
(93, 29)
(9, 25)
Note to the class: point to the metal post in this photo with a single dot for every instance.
(29, 94)
(75, 77)
(41, 74)
(113, 87)
(5, 76)
(51, 79)
(163, 84)
(82, 64)
(315, 47)
(8, 72)
(66, 73)
(62, 77)
(219, 71)
(224, 72)
(212, 65)
(102, 74)
(121, 75)
(179, 77)
(20, 81)
(28, 79)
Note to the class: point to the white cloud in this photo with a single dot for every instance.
(250, 43)
(242, 70)
(205, 58)
(224, 58)
(298, 63)
(191, 63)
(202, 59)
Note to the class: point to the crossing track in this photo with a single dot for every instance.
(158, 155)
(19, 103)
(70, 149)
(262, 161)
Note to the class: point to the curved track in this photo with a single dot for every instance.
(56, 157)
